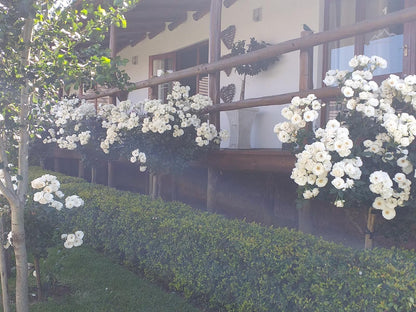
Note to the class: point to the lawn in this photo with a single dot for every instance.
(94, 283)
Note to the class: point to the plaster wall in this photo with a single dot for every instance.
(280, 21)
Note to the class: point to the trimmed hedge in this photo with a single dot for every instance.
(231, 265)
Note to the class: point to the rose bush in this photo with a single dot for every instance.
(366, 156)
(161, 136)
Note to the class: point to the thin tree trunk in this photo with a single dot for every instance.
(17, 204)
(18, 230)
(3, 269)
(38, 281)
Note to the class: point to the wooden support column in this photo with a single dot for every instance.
(214, 91)
(110, 173)
(56, 164)
(81, 169)
(305, 83)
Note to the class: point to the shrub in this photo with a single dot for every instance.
(231, 265)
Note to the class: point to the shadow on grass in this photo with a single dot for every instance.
(93, 283)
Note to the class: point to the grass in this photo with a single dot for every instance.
(97, 284)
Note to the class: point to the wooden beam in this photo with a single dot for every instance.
(228, 3)
(397, 17)
(156, 32)
(182, 19)
(149, 16)
(170, 5)
(281, 99)
(263, 160)
(140, 37)
(200, 14)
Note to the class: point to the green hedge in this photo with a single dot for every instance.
(231, 265)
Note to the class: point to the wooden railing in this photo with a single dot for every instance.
(301, 43)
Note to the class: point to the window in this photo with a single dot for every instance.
(393, 43)
(181, 59)
(387, 42)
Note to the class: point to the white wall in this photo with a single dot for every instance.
(281, 20)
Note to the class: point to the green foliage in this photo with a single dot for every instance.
(231, 265)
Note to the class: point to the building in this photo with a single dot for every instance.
(168, 40)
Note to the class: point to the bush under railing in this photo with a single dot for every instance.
(232, 265)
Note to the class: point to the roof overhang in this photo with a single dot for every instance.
(152, 17)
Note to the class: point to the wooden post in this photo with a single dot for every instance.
(214, 90)
(81, 169)
(93, 174)
(368, 244)
(110, 173)
(305, 83)
(56, 164)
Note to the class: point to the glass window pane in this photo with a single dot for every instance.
(386, 42)
(341, 13)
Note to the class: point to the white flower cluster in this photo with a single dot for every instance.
(49, 186)
(69, 113)
(116, 118)
(73, 201)
(376, 146)
(73, 240)
(153, 116)
(314, 163)
(298, 113)
(139, 157)
(207, 132)
(401, 127)
(381, 184)
(401, 89)
(178, 113)
(360, 91)
(311, 169)
(345, 172)
(404, 163)
(335, 137)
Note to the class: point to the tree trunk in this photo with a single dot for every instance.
(18, 230)
(17, 203)
(3, 269)
(368, 244)
(38, 281)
